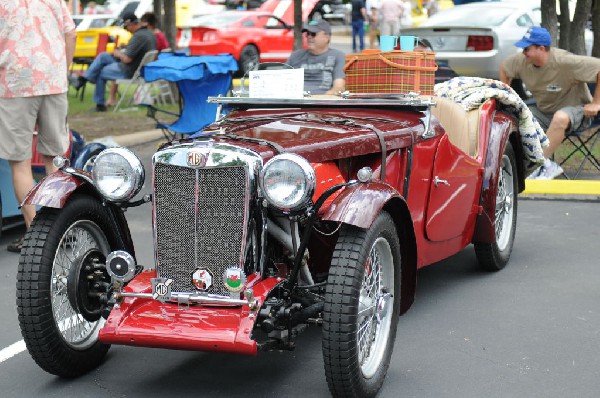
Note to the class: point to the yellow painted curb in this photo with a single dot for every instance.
(562, 187)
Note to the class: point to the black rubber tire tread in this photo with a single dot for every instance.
(489, 256)
(34, 305)
(340, 353)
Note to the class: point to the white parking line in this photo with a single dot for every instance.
(12, 350)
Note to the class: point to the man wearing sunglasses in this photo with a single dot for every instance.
(323, 66)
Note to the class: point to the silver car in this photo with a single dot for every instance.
(475, 38)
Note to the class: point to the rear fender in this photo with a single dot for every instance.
(500, 134)
(360, 204)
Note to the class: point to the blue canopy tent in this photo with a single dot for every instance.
(197, 78)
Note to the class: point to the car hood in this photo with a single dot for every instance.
(320, 134)
(284, 9)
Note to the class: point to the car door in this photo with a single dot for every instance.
(454, 193)
(277, 40)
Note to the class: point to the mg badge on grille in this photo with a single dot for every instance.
(161, 288)
(235, 279)
(196, 158)
(202, 279)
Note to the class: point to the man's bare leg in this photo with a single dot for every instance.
(556, 132)
(112, 97)
(23, 182)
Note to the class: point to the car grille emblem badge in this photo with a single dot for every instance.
(161, 289)
(202, 279)
(235, 279)
(196, 158)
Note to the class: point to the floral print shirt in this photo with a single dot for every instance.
(32, 47)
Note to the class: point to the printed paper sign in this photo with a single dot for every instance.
(277, 83)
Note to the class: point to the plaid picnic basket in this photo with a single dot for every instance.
(397, 72)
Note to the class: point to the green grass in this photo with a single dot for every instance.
(574, 161)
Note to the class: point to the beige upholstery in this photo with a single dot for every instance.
(462, 127)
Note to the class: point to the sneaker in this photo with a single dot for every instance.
(535, 174)
(16, 245)
(550, 170)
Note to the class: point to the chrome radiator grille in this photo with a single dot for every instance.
(199, 231)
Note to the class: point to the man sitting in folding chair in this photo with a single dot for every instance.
(557, 79)
(121, 64)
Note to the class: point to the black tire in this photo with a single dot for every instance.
(494, 256)
(249, 58)
(55, 239)
(353, 309)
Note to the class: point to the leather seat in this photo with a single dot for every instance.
(461, 126)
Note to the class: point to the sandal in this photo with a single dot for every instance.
(16, 245)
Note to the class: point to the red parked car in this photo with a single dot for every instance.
(263, 35)
(281, 215)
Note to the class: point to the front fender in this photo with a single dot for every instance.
(360, 204)
(53, 190)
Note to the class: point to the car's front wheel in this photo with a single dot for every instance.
(361, 311)
(59, 282)
(494, 256)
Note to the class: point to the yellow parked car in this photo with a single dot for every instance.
(87, 41)
(419, 9)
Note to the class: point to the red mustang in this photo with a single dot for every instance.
(263, 35)
(280, 215)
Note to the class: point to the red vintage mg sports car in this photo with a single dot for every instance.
(281, 215)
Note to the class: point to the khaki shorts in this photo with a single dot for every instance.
(18, 119)
(578, 120)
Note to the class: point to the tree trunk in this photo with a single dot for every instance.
(577, 29)
(297, 24)
(549, 19)
(565, 25)
(596, 28)
(169, 27)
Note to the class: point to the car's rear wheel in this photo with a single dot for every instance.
(494, 256)
(361, 311)
(60, 276)
(249, 58)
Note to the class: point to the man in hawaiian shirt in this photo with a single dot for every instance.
(37, 42)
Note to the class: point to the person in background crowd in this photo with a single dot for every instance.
(37, 38)
(91, 8)
(390, 12)
(432, 7)
(372, 7)
(359, 16)
(323, 66)
(558, 81)
(406, 20)
(121, 64)
(149, 20)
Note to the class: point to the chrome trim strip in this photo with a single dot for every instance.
(202, 299)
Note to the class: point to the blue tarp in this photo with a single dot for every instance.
(197, 77)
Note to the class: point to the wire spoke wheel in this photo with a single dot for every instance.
(77, 240)
(58, 304)
(494, 256)
(362, 302)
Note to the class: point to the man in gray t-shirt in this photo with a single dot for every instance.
(323, 66)
(121, 64)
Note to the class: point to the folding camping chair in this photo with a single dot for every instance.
(197, 78)
(583, 141)
(136, 79)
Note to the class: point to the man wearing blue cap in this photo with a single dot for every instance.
(323, 66)
(558, 81)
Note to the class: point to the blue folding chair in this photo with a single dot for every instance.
(197, 78)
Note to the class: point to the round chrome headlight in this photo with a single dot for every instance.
(288, 181)
(118, 174)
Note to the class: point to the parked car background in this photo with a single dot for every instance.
(332, 11)
(475, 38)
(263, 35)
